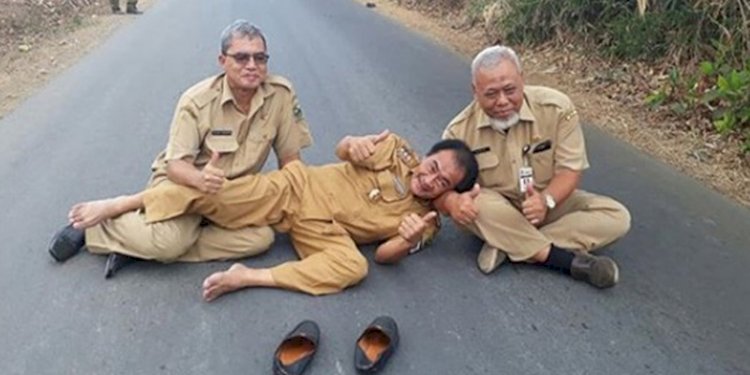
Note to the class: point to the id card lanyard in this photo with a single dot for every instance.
(525, 172)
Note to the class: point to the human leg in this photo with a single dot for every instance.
(130, 235)
(115, 6)
(256, 200)
(132, 7)
(586, 222)
(330, 262)
(216, 243)
(504, 228)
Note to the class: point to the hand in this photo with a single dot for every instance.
(413, 226)
(534, 206)
(212, 177)
(463, 208)
(361, 148)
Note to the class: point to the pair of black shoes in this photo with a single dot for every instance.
(130, 9)
(373, 348)
(69, 241)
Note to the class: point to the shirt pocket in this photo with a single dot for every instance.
(542, 164)
(489, 175)
(391, 187)
(254, 152)
(221, 142)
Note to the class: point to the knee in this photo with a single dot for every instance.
(263, 239)
(621, 218)
(355, 269)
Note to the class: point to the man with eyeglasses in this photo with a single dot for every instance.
(530, 148)
(240, 114)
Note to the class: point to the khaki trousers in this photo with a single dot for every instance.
(182, 239)
(584, 222)
(329, 259)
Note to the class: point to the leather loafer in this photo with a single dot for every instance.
(116, 262)
(67, 242)
(297, 349)
(599, 271)
(376, 345)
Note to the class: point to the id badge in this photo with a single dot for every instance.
(525, 178)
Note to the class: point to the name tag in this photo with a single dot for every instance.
(525, 178)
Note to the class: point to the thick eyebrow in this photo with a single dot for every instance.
(445, 180)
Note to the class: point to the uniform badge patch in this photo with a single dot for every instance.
(570, 115)
(405, 155)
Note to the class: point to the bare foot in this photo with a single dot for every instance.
(87, 214)
(226, 281)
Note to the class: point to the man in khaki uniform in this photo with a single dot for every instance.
(240, 115)
(531, 153)
(382, 193)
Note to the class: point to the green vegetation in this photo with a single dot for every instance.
(706, 43)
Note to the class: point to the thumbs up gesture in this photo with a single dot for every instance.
(361, 148)
(533, 206)
(463, 208)
(413, 226)
(212, 176)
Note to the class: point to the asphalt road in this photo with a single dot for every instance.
(681, 307)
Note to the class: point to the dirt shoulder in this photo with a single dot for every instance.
(609, 96)
(40, 39)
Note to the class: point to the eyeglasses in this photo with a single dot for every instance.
(242, 58)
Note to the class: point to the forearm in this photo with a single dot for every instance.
(183, 172)
(393, 250)
(563, 184)
(445, 202)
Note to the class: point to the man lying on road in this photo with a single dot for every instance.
(382, 192)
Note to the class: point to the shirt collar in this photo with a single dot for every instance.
(264, 91)
(525, 115)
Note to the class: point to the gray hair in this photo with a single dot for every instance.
(240, 29)
(491, 57)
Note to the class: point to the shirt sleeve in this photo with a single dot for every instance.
(571, 149)
(293, 134)
(184, 135)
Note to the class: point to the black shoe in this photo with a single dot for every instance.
(116, 262)
(131, 9)
(599, 271)
(67, 242)
(297, 349)
(376, 345)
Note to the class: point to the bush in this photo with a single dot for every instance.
(680, 32)
(716, 91)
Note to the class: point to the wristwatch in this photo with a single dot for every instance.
(549, 201)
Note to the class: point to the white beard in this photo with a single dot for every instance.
(503, 125)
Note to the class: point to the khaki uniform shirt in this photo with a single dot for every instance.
(368, 199)
(207, 118)
(547, 117)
